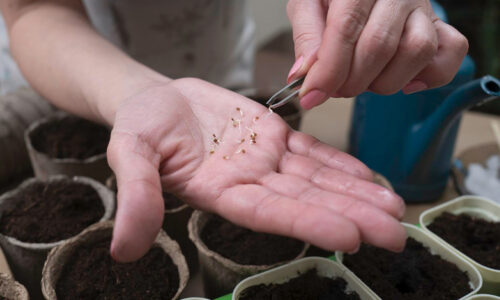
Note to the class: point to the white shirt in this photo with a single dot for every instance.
(207, 39)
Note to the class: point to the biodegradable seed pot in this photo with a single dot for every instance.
(273, 282)
(290, 112)
(39, 215)
(426, 269)
(175, 222)
(65, 144)
(11, 289)
(18, 109)
(470, 226)
(229, 253)
(82, 268)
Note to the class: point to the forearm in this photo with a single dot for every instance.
(64, 59)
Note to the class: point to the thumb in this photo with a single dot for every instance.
(308, 23)
(140, 206)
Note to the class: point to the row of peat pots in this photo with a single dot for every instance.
(453, 254)
(79, 266)
(56, 236)
(69, 257)
(55, 229)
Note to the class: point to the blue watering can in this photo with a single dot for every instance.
(410, 138)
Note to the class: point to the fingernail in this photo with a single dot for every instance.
(414, 86)
(296, 66)
(312, 98)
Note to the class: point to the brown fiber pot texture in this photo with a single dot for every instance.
(26, 259)
(220, 274)
(11, 289)
(58, 257)
(95, 167)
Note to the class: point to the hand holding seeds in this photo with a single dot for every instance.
(224, 153)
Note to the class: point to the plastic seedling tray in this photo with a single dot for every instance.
(438, 247)
(325, 267)
(475, 206)
(483, 297)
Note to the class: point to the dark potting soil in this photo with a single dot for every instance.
(71, 137)
(476, 238)
(248, 247)
(92, 274)
(49, 212)
(285, 110)
(307, 286)
(414, 274)
(171, 202)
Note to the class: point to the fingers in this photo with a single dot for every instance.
(308, 23)
(376, 226)
(418, 46)
(377, 45)
(140, 206)
(345, 21)
(306, 145)
(339, 182)
(452, 49)
(261, 209)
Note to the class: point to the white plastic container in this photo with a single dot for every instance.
(325, 267)
(437, 247)
(475, 206)
(483, 297)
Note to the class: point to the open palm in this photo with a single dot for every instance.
(224, 153)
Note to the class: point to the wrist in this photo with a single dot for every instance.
(135, 80)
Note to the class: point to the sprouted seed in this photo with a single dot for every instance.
(243, 151)
(255, 119)
(270, 112)
(236, 122)
(215, 140)
(226, 157)
(240, 111)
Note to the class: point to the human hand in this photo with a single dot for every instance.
(347, 47)
(276, 180)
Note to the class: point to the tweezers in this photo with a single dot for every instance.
(286, 94)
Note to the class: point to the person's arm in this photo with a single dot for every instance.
(68, 62)
(285, 182)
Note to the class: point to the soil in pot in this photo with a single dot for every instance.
(477, 238)
(50, 212)
(248, 247)
(71, 137)
(307, 286)
(413, 274)
(91, 274)
(171, 202)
